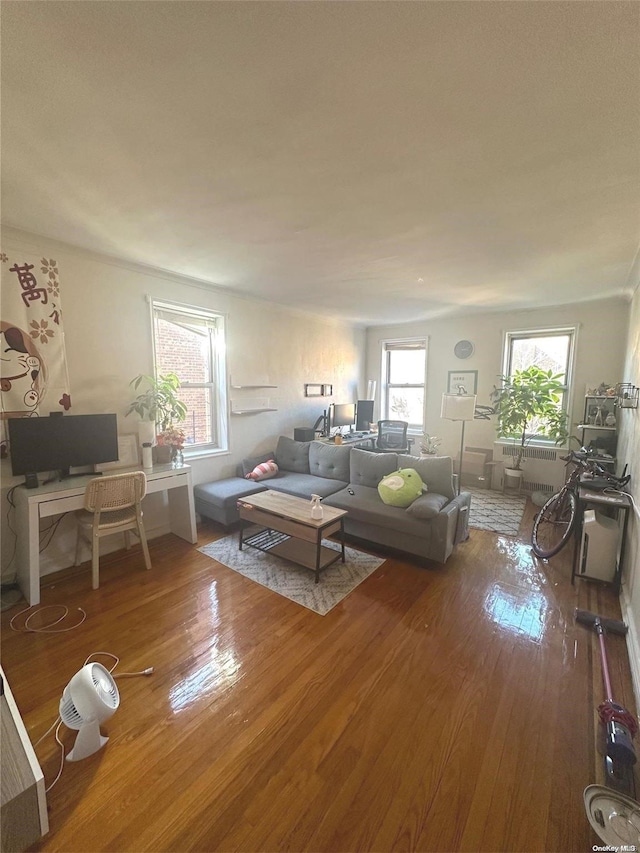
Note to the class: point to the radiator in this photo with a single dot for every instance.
(543, 469)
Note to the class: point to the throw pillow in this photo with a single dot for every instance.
(427, 506)
(400, 488)
(263, 471)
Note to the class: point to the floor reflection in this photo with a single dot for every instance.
(521, 612)
(220, 670)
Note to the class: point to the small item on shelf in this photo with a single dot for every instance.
(147, 455)
(610, 420)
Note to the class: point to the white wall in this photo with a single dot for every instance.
(629, 451)
(599, 357)
(108, 340)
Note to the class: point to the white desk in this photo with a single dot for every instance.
(67, 495)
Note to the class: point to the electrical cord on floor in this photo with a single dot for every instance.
(47, 629)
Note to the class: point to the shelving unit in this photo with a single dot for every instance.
(251, 405)
(596, 410)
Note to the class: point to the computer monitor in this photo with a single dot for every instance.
(342, 415)
(59, 443)
(364, 415)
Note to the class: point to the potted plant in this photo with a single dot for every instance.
(429, 444)
(158, 406)
(527, 405)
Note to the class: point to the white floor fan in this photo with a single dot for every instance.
(90, 698)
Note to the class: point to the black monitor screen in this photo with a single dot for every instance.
(59, 443)
(343, 414)
(364, 410)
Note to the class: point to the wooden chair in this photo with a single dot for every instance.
(112, 505)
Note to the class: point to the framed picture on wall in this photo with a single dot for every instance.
(462, 379)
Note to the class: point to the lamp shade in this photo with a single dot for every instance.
(458, 407)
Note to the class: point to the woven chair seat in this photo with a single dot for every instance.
(111, 518)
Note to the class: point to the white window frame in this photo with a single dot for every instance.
(388, 345)
(519, 334)
(215, 321)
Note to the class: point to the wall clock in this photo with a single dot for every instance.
(463, 349)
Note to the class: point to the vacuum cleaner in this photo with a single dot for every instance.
(620, 726)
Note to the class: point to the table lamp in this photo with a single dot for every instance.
(459, 407)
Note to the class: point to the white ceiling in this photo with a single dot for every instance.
(380, 161)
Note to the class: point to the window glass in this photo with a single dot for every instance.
(404, 382)
(547, 349)
(549, 353)
(190, 343)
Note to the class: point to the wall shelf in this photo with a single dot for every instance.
(238, 387)
(251, 411)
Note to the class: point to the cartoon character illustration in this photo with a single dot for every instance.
(22, 373)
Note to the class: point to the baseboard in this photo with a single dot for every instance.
(633, 643)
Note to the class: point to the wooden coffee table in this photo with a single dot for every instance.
(287, 529)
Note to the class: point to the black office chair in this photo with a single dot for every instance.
(392, 437)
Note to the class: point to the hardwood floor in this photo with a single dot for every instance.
(434, 709)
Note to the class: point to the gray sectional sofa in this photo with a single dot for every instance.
(347, 478)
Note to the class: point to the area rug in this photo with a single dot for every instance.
(494, 511)
(295, 582)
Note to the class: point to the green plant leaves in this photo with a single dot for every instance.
(528, 405)
(160, 402)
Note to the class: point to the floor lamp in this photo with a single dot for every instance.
(459, 407)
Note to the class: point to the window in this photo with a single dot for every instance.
(403, 381)
(549, 349)
(190, 343)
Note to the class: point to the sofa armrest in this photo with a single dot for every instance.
(452, 523)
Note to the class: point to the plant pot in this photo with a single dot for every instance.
(162, 454)
(146, 432)
(512, 478)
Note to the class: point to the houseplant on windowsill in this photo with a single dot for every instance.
(429, 444)
(158, 407)
(528, 405)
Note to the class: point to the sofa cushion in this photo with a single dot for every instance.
(223, 492)
(330, 461)
(436, 472)
(304, 485)
(427, 506)
(247, 465)
(292, 455)
(365, 506)
(367, 468)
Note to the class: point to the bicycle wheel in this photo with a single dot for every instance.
(554, 524)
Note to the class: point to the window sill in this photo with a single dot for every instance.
(205, 453)
(549, 444)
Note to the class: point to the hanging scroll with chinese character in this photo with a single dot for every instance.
(33, 374)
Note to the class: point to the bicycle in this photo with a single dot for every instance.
(556, 521)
